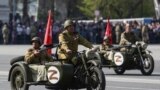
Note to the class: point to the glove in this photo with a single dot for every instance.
(36, 52)
(128, 43)
(68, 51)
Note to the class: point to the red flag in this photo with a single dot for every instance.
(108, 32)
(48, 33)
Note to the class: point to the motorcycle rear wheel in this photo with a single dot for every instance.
(96, 79)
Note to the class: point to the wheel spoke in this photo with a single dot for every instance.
(19, 80)
(94, 81)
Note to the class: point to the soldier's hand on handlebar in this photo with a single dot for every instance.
(68, 51)
(128, 43)
(36, 52)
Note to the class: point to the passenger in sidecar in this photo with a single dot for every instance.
(105, 51)
(36, 60)
(21, 76)
(109, 53)
(36, 67)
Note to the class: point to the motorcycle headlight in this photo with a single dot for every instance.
(144, 45)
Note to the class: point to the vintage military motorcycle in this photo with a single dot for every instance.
(61, 76)
(132, 57)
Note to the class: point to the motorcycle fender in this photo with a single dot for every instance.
(148, 51)
(96, 63)
(25, 68)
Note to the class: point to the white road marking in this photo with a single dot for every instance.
(132, 80)
(4, 73)
(130, 88)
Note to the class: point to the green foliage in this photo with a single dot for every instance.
(118, 8)
(88, 7)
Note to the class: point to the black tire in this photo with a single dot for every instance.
(119, 70)
(97, 79)
(18, 79)
(148, 66)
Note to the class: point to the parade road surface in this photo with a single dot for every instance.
(131, 80)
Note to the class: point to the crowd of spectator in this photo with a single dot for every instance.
(19, 33)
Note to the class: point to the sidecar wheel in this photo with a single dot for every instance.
(148, 66)
(18, 79)
(119, 70)
(96, 80)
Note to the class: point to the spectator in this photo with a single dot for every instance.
(118, 32)
(5, 32)
(19, 34)
(145, 36)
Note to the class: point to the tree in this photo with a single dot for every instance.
(44, 6)
(25, 12)
(118, 8)
(88, 7)
(73, 10)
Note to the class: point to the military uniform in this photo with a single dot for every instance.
(104, 49)
(145, 35)
(70, 41)
(118, 32)
(36, 64)
(5, 32)
(31, 59)
(128, 38)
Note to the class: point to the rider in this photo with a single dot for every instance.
(69, 40)
(128, 37)
(36, 59)
(104, 49)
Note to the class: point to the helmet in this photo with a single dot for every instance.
(36, 39)
(68, 23)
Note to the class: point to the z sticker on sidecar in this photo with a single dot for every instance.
(118, 58)
(53, 75)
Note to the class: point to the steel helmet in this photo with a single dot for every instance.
(68, 23)
(36, 39)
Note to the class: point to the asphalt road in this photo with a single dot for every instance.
(131, 80)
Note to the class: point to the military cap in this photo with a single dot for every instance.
(68, 23)
(36, 39)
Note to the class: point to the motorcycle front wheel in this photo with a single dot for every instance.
(147, 65)
(96, 79)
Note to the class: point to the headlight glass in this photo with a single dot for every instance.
(144, 45)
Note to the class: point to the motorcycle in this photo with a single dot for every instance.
(61, 76)
(135, 56)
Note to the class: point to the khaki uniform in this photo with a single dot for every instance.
(71, 42)
(145, 36)
(128, 38)
(5, 32)
(36, 64)
(118, 33)
(107, 54)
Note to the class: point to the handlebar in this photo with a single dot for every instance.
(45, 47)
